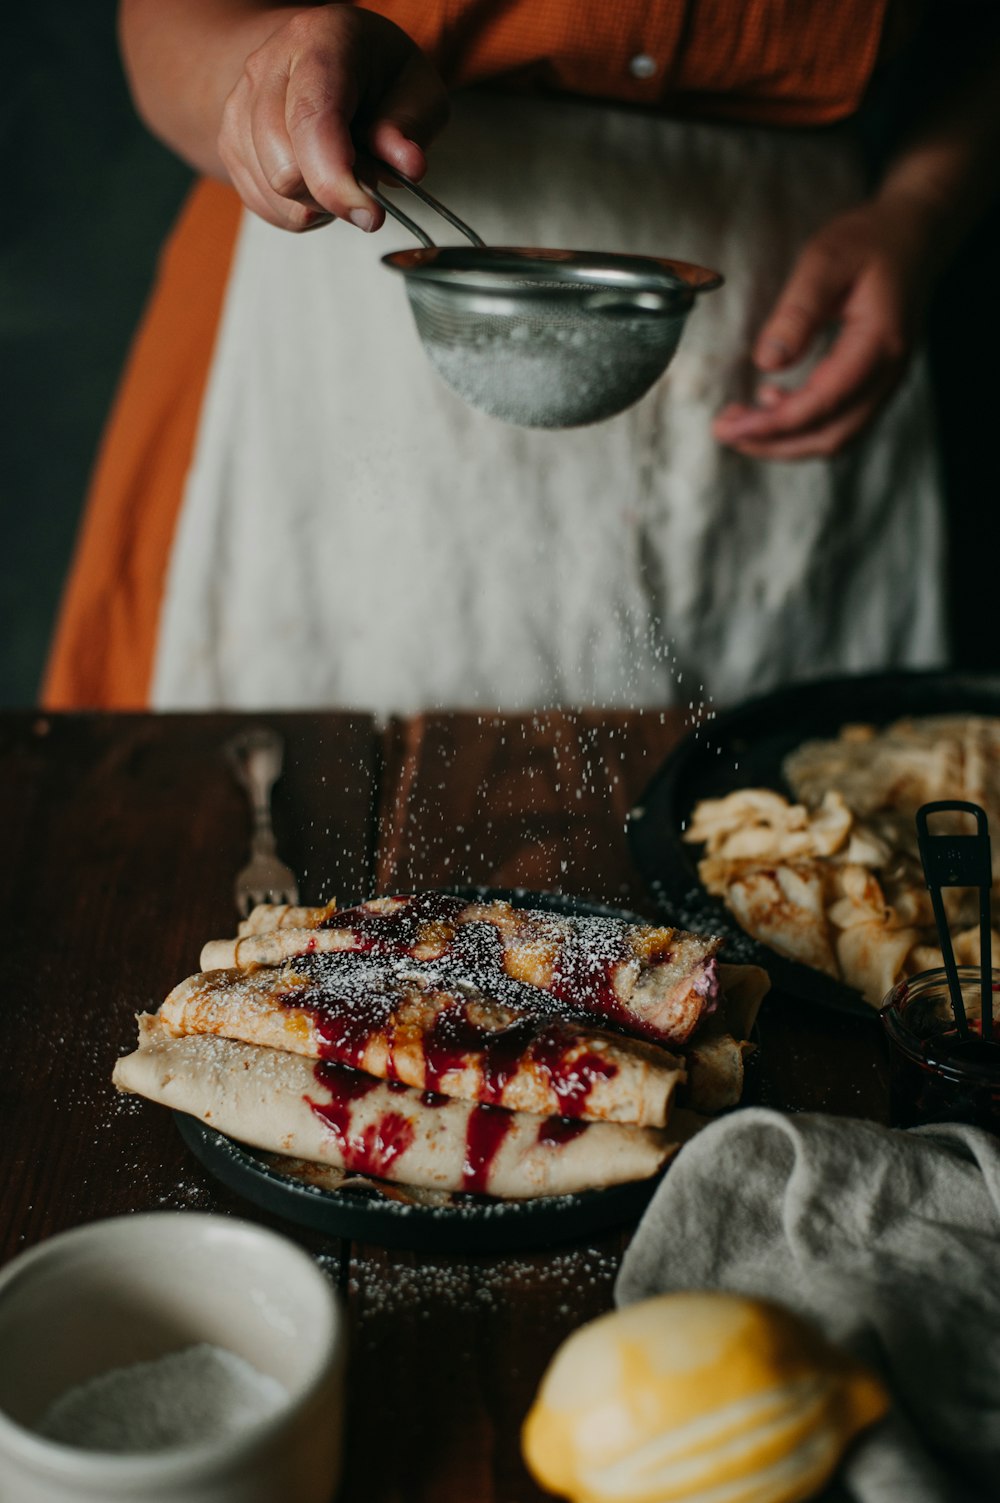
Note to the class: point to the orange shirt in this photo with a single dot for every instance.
(772, 62)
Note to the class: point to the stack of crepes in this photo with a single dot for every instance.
(452, 1046)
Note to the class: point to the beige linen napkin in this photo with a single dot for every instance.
(889, 1240)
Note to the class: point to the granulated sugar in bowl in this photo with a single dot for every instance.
(168, 1357)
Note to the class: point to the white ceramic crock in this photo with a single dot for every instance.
(134, 1288)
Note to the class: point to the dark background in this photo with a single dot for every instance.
(88, 197)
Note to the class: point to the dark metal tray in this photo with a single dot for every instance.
(473, 1224)
(745, 747)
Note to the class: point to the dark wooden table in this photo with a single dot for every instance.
(120, 839)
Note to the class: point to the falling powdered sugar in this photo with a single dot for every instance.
(185, 1398)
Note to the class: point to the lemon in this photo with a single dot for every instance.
(696, 1398)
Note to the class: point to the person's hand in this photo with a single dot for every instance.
(324, 79)
(868, 273)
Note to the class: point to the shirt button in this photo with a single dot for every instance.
(642, 65)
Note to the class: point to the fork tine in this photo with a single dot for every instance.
(242, 901)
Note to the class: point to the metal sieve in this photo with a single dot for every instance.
(542, 338)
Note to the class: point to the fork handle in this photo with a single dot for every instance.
(256, 756)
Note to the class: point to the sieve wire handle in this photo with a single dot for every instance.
(425, 197)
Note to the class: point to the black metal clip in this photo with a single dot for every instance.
(960, 861)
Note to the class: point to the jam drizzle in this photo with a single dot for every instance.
(576, 963)
(555, 1131)
(484, 1134)
(380, 1143)
(412, 954)
(353, 1004)
(429, 927)
(375, 1147)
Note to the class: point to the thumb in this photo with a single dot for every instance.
(808, 301)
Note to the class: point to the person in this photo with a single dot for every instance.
(290, 510)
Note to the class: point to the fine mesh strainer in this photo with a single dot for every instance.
(542, 338)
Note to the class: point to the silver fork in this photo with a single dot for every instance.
(255, 756)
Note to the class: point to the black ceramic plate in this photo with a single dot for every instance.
(473, 1224)
(744, 748)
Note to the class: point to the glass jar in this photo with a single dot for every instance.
(936, 1075)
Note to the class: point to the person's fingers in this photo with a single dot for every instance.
(272, 144)
(861, 274)
(328, 75)
(806, 303)
(412, 111)
(830, 431)
(320, 104)
(863, 358)
(248, 173)
(386, 143)
(283, 213)
(823, 442)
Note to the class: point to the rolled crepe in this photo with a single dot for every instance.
(743, 989)
(715, 1072)
(327, 1113)
(525, 1052)
(714, 1058)
(654, 981)
(684, 1125)
(268, 916)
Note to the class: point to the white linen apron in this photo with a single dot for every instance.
(353, 535)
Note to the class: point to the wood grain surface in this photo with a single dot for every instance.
(121, 837)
